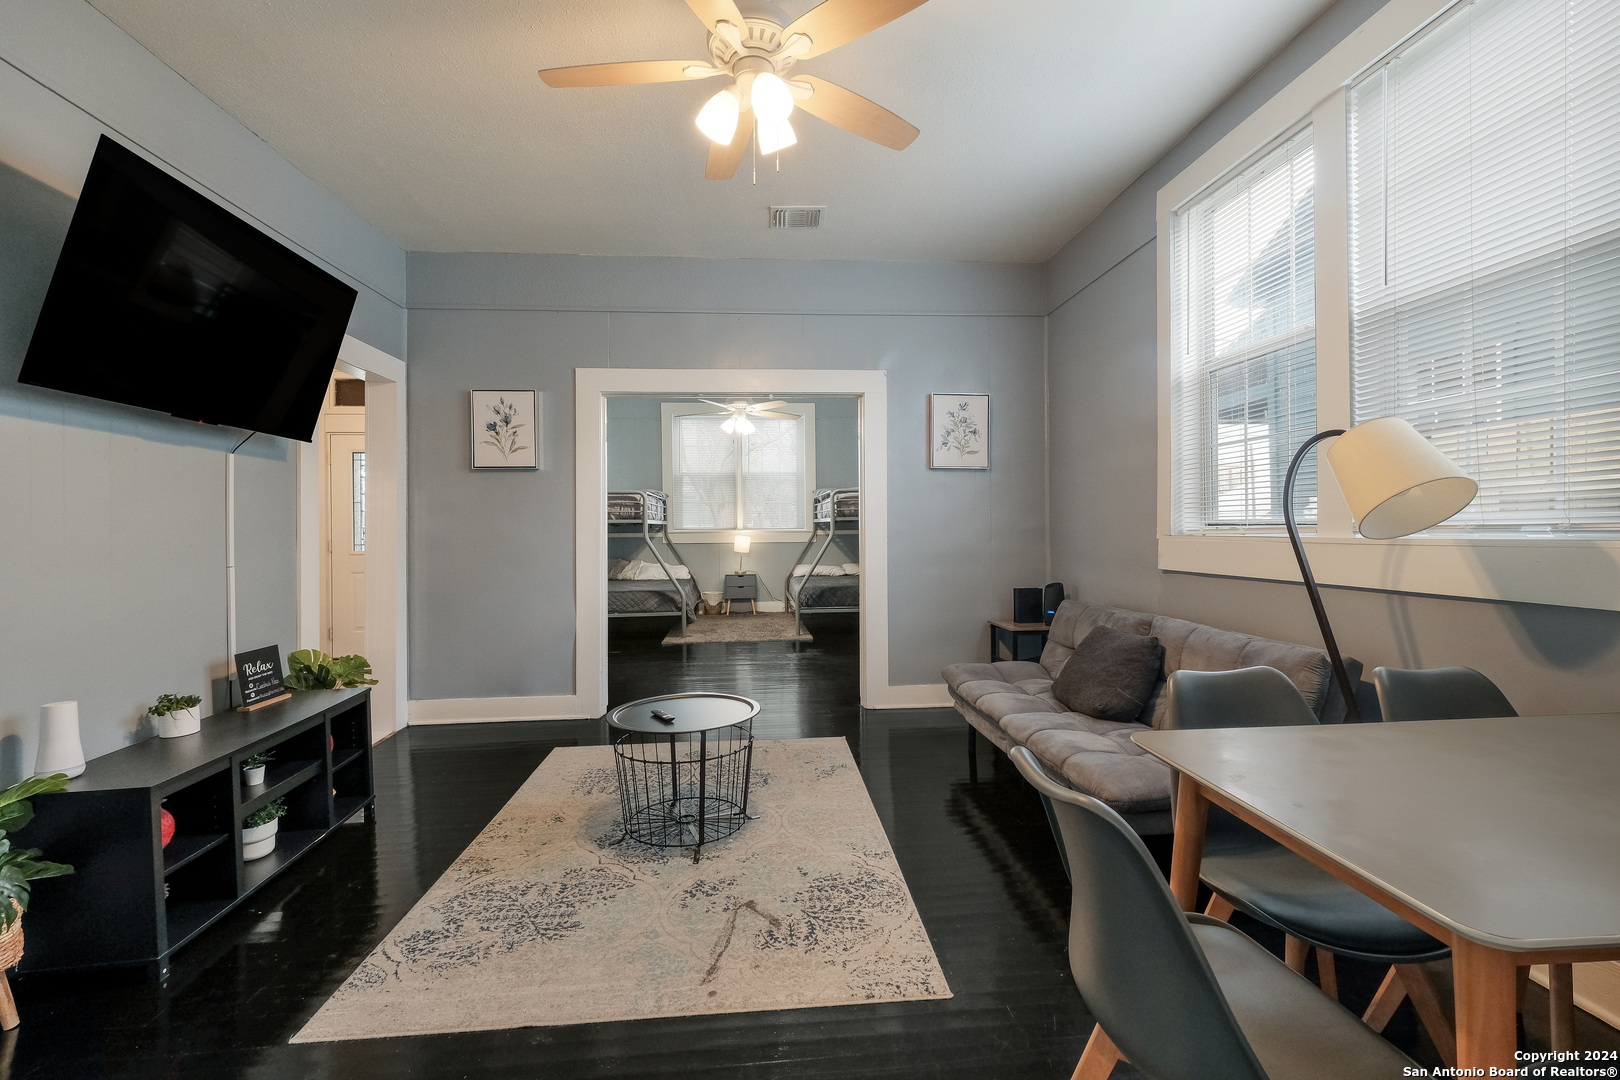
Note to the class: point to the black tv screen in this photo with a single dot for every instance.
(165, 300)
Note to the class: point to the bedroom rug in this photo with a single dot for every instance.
(550, 918)
(766, 626)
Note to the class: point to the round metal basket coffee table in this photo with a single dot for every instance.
(683, 763)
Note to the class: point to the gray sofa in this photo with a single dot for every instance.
(1011, 703)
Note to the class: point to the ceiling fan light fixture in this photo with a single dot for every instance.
(775, 136)
(771, 98)
(718, 117)
(737, 424)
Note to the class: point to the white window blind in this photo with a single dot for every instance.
(705, 470)
(1485, 255)
(1243, 364)
(713, 473)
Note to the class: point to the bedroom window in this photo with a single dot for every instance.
(722, 482)
(1485, 256)
(1244, 361)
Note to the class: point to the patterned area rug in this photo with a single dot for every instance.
(766, 626)
(550, 918)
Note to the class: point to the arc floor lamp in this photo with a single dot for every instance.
(1396, 482)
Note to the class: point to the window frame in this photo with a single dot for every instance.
(669, 410)
(1558, 570)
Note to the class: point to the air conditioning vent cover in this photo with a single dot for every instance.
(796, 217)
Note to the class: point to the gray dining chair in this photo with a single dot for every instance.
(1183, 996)
(1249, 872)
(1461, 693)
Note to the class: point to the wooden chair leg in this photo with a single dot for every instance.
(1561, 1005)
(8, 1005)
(1099, 1058)
(1294, 953)
(1327, 976)
(1391, 992)
(1220, 908)
(1431, 1014)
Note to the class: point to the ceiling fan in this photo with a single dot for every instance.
(756, 51)
(740, 411)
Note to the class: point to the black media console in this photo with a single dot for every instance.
(133, 901)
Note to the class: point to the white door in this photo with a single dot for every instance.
(346, 464)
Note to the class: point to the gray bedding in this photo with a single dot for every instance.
(823, 592)
(648, 597)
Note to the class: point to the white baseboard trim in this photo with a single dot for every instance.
(495, 709)
(916, 696)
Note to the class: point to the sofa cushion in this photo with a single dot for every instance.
(1005, 671)
(1131, 783)
(1110, 674)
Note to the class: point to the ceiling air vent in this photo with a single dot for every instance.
(796, 217)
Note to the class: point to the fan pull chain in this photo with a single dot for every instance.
(755, 145)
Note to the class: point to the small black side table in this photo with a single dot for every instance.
(683, 762)
(1017, 637)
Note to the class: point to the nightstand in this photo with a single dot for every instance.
(741, 587)
(1024, 640)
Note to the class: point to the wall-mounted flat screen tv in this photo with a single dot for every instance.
(165, 300)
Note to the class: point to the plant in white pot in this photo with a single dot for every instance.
(253, 768)
(259, 830)
(177, 714)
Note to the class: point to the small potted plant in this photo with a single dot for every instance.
(259, 830)
(19, 866)
(253, 768)
(177, 714)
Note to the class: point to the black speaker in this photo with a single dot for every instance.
(1051, 597)
(1026, 605)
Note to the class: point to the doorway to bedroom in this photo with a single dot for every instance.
(733, 536)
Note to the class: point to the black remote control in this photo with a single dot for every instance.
(660, 714)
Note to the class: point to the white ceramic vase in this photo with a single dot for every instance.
(60, 750)
(253, 775)
(178, 723)
(259, 840)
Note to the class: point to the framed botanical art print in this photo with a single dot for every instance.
(505, 429)
(958, 431)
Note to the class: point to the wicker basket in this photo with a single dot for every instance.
(11, 944)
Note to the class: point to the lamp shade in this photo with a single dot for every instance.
(741, 544)
(1394, 479)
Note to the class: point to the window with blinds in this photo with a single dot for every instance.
(1485, 255)
(726, 481)
(1243, 363)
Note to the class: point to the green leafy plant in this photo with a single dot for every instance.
(265, 814)
(19, 866)
(169, 703)
(311, 669)
(259, 759)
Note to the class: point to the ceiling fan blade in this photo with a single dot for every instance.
(836, 22)
(723, 160)
(632, 73)
(848, 110)
(766, 405)
(716, 11)
(716, 404)
(776, 415)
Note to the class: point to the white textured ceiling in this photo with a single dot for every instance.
(426, 117)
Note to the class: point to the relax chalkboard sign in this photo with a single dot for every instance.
(259, 675)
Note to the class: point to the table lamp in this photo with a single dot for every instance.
(741, 545)
(1396, 483)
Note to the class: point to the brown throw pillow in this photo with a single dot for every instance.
(1111, 674)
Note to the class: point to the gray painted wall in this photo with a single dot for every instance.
(112, 540)
(1102, 376)
(635, 459)
(491, 579)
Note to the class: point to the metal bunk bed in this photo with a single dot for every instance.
(648, 512)
(834, 512)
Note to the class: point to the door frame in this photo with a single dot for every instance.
(387, 636)
(592, 388)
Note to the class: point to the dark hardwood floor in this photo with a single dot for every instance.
(976, 853)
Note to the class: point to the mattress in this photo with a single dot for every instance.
(846, 506)
(650, 597)
(628, 506)
(823, 592)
